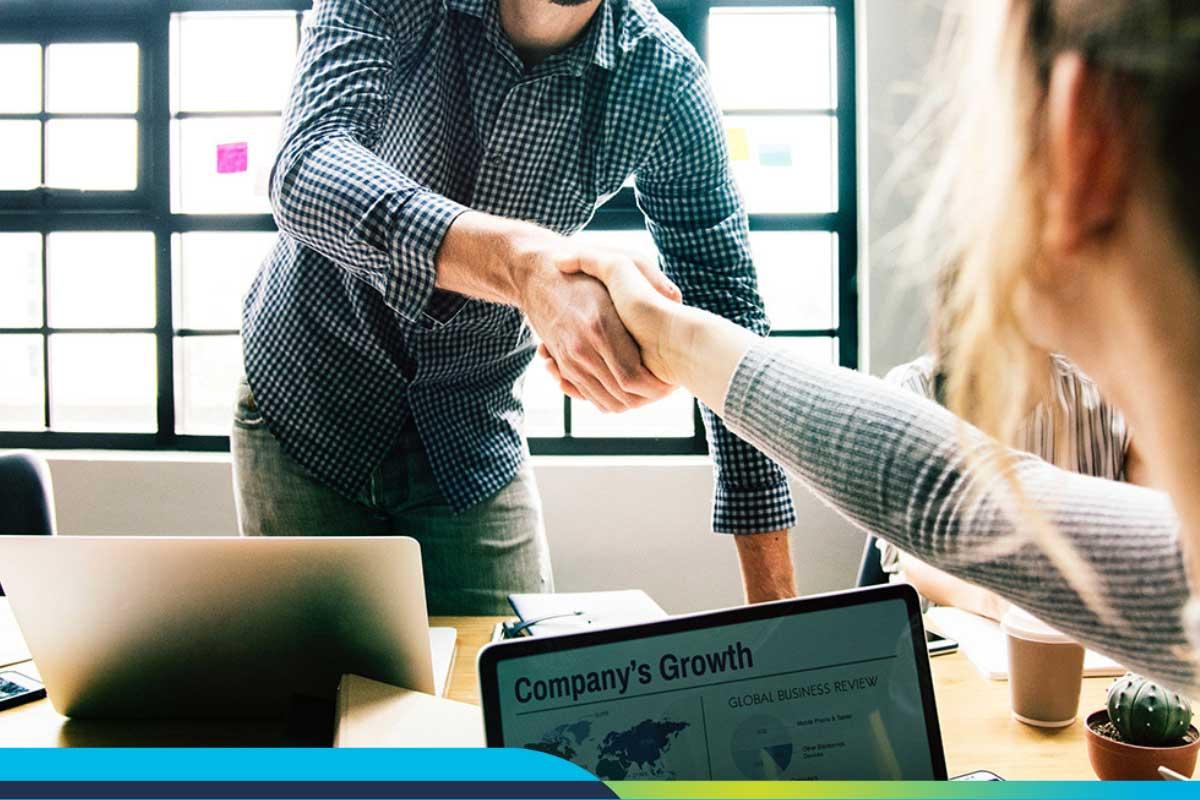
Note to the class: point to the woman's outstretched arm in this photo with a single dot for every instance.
(909, 471)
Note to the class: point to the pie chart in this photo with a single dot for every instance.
(762, 748)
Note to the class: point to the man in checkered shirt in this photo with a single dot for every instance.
(436, 155)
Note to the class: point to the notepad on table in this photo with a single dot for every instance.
(597, 610)
(374, 714)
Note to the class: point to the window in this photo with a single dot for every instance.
(136, 140)
(783, 75)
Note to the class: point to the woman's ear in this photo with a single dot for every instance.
(1086, 161)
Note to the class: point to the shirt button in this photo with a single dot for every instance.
(495, 157)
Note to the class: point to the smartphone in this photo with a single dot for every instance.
(978, 775)
(17, 688)
(939, 645)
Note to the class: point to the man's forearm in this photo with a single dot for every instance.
(766, 560)
(479, 256)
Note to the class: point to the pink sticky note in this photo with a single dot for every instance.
(233, 158)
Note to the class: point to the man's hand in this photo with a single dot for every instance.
(543, 274)
(649, 310)
(594, 357)
(766, 561)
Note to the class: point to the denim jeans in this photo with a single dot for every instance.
(472, 560)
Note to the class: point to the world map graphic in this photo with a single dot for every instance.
(637, 751)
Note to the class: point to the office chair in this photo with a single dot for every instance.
(26, 496)
(870, 570)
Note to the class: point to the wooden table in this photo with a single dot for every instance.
(978, 731)
(977, 727)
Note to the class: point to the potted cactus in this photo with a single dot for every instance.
(1143, 727)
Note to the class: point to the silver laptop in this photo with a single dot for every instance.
(135, 627)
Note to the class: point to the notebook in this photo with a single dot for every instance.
(374, 714)
(983, 643)
(599, 610)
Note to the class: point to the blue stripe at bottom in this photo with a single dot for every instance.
(303, 790)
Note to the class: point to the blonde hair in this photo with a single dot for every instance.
(983, 205)
(982, 210)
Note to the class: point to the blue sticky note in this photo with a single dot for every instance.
(775, 155)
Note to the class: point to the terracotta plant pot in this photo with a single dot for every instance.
(1117, 761)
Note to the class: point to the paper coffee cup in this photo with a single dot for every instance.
(1045, 671)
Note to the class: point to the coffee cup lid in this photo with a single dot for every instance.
(1020, 624)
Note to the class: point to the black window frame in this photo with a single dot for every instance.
(148, 208)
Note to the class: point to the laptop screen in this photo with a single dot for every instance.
(824, 691)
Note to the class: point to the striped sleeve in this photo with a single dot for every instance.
(916, 377)
(908, 471)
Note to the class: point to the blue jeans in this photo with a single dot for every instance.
(472, 560)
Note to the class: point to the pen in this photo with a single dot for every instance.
(514, 629)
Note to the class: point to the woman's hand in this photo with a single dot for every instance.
(645, 299)
(682, 346)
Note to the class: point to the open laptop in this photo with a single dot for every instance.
(134, 627)
(832, 687)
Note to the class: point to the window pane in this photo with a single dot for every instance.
(20, 155)
(819, 349)
(101, 280)
(223, 165)
(764, 58)
(796, 278)
(103, 382)
(20, 280)
(213, 272)
(92, 78)
(21, 88)
(669, 417)
(207, 370)
(783, 164)
(22, 390)
(92, 154)
(543, 402)
(233, 61)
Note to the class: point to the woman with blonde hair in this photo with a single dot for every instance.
(1068, 190)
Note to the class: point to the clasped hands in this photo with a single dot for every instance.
(601, 316)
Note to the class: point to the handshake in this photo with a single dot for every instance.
(601, 321)
(601, 314)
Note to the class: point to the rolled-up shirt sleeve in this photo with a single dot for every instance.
(695, 214)
(329, 190)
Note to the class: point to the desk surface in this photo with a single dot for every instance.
(977, 728)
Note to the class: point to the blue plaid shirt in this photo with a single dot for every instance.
(404, 114)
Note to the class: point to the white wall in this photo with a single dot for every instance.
(896, 38)
(616, 523)
(612, 523)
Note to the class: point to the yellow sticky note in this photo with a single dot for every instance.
(739, 144)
